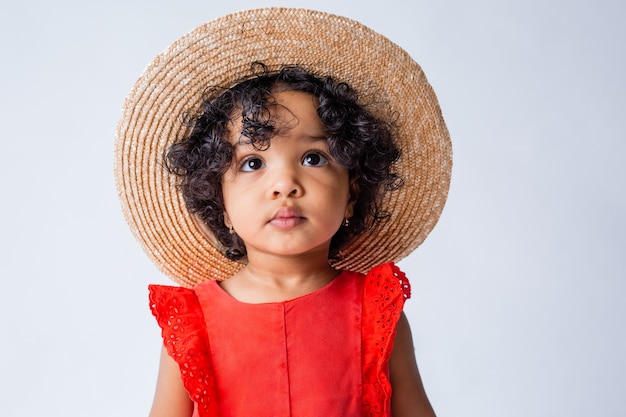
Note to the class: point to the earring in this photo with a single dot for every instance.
(345, 222)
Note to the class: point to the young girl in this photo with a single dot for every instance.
(283, 204)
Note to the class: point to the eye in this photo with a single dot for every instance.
(252, 164)
(314, 159)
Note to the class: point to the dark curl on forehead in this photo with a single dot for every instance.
(358, 141)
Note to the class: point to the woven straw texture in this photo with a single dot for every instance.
(219, 53)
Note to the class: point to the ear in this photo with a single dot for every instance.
(349, 209)
(353, 192)
(227, 221)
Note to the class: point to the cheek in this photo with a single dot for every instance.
(341, 193)
(236, 195)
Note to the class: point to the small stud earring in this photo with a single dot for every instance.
(345, 222)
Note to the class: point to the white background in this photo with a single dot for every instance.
(518, 293)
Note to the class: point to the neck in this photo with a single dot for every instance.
(284, 271)
(268, 278)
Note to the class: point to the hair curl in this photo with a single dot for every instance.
(358, 141)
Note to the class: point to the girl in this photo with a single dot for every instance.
(291, 204)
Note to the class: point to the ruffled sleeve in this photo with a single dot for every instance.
(386, 289)
(180, 317)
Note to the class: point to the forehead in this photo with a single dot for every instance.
(286, 112)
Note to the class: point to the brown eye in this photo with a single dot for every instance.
(314, 159)
(252, 164)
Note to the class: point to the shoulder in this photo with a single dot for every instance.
(385, 291)
(179, 314)
(388, 278)
(165, 299)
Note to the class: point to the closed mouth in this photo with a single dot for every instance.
(286, 218)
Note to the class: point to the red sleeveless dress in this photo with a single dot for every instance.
(323, 354)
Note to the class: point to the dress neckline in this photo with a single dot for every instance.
(224, 295)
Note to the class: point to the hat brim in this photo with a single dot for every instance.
(220, 53)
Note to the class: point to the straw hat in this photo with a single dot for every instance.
(220, 53)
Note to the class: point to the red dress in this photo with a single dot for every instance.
(323, 354)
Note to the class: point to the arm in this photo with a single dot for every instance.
(170, 399)
(408, 398)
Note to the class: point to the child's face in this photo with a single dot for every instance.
(291, 198)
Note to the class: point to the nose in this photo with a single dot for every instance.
(285, 183)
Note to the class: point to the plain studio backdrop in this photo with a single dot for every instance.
(517, 305)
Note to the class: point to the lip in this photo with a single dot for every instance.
(287, 218)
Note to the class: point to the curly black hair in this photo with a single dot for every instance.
(358, 141)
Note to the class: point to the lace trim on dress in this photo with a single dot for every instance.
(386, 289)
(180, 317)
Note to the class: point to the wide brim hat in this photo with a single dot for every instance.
(220, 53)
